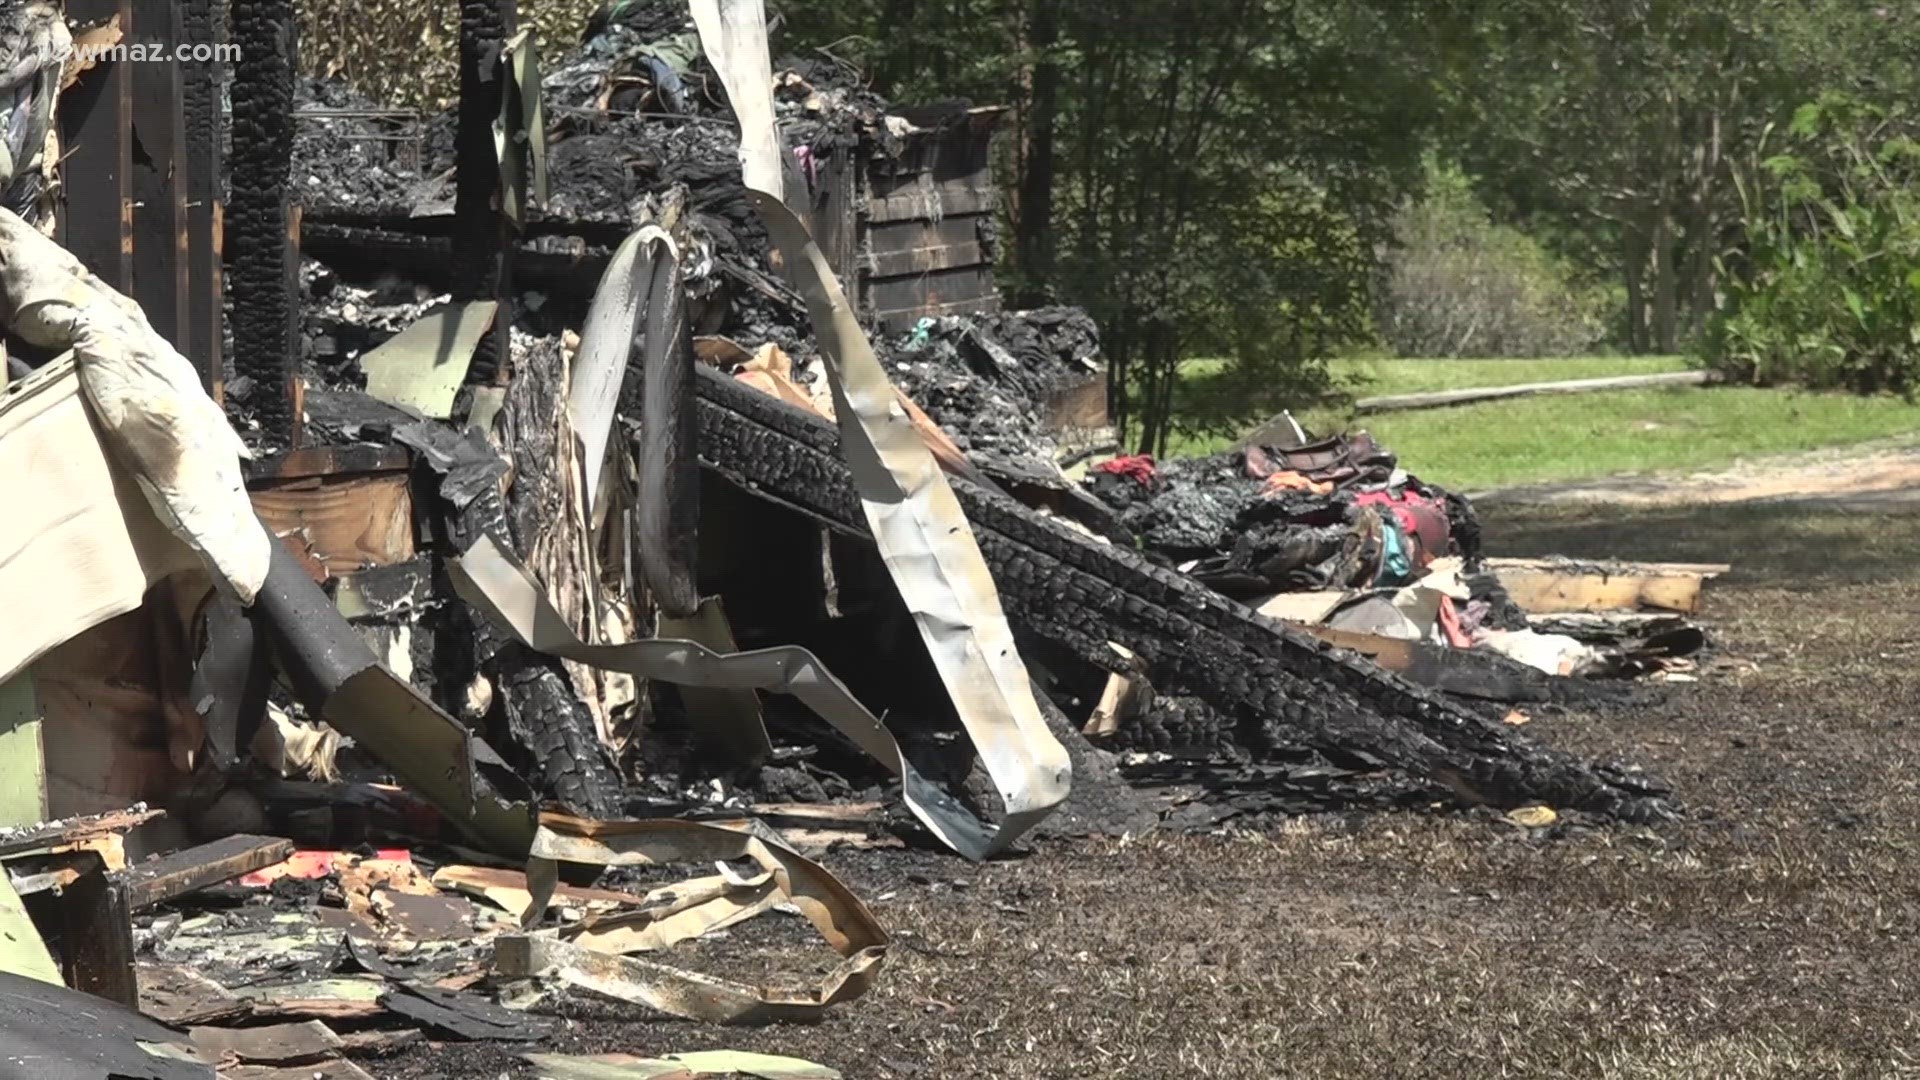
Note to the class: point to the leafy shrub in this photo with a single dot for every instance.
(1459, 285)
(404, 53)
(1827, 291)
(1280, 286)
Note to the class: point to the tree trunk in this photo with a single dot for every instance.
(1033, 229)
(901, 67)
(1703, 226)
(1162, 376)
(1634, 261)
(1666, 285)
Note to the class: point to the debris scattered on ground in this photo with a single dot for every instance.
(690, 1066)
(659, 485)
(1334, 534)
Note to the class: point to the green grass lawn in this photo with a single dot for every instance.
(1586, 436)
(1378, 378)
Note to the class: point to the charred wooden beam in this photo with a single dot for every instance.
(1281, 688)
(97, 937)
(544, 729)
(481, 233)
(204, 24)
(567, 266)
(265, 268)
(532, 711)
(152, 883)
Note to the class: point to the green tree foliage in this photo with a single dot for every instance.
(1211, 180)
(403, 52)
(1459, 284)
(1827, 289)
(1619, 123)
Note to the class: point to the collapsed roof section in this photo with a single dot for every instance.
(417, 446)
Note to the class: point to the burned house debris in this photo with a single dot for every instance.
(625, 464)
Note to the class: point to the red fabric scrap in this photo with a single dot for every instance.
(1138, 466)
(1419, 517)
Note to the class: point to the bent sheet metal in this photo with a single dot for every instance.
(846, 924)
(503, 590)
(917, 522)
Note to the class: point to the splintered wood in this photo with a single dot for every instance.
(349, 522)
(1550, 586)
(164, 879)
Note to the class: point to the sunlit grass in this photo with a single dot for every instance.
(1577, 437)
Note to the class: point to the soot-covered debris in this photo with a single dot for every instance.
(640, 132)
(993, 382)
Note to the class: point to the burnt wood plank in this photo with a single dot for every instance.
(352, 522)
(96, 115)
(182, 872)
(204, 24)
(265, 265)
(98, 938)
(922, 260)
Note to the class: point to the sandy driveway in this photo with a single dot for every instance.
(1874, 475)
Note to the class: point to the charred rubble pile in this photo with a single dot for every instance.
(1337, 515)
(998, 384)
(640, 131)
(564, 514)
(1333, 532)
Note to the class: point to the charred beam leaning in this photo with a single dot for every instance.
(1279, 687)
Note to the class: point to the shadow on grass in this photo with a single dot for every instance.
(1783, 545)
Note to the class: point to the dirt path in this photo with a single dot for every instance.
(1863, 476)
(1774, 931)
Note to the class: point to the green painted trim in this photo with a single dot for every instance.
(21, 950)
(23, 761)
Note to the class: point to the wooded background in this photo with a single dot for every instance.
(1275, 182)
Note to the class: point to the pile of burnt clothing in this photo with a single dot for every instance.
(1002, 386)
(639, 96)
(1328, 515)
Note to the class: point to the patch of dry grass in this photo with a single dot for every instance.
(1775, 931)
